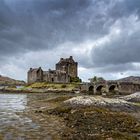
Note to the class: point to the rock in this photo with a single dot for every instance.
(115, 104)
(96, 100)
(132, 97)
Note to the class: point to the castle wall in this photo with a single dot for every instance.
(72, 70)
(56, 77)
(49, 76)
(35, 75)
(31, 77)
(126, 87)
(39, 75)
(65, 69)
(62, 77)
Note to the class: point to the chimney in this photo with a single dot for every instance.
(61, 59)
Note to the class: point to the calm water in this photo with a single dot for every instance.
(13, 126)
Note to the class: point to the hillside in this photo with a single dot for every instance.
(130, 79)
(9, 81)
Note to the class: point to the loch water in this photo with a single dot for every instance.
(12, 125)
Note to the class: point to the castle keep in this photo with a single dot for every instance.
(65, 70)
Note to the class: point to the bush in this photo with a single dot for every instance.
(63, 86)
(75, 79)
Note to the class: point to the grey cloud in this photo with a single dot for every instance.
(123, 50)
(116, 68)
(35, 25)
(42, 24)
(121, 8)
(133, 6)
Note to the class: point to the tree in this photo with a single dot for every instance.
(96, 79)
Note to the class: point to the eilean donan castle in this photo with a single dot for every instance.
(65, 70)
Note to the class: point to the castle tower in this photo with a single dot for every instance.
(68, 65)
(35, 75)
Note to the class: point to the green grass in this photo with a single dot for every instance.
(53, 85)
(137, 104)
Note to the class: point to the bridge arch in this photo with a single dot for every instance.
(112, 88)
(91, 89)
(99, 89)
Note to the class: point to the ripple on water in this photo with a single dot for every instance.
(13, 102)
(10, 104)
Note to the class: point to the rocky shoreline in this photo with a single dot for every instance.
(88, 117)
(64, 115)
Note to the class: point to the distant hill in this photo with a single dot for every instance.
(130, 79)
(9, 81)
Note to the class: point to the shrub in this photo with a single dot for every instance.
(75, 79)
(63, 86)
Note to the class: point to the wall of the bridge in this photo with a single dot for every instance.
(99, 88)
(126, 88)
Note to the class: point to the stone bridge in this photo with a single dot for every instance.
(111, 87)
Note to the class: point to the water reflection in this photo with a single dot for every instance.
(12, 102)
(10, 122)
(9, 104)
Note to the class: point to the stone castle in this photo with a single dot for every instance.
(65, 70)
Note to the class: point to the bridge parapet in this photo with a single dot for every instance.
(112, 86)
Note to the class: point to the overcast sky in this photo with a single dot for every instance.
(103, 36)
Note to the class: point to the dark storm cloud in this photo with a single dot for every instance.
(124, 8)
(38, 24)
(125, 49)
(41, 24)
(122, 51)
(35, 25)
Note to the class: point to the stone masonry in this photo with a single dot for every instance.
(65, 70)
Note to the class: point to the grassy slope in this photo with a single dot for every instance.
(53, 85)
(9, 81)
